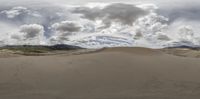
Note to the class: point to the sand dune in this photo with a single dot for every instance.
(115, 73)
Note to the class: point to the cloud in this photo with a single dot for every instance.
(64, 23)
(186, 33)
(184, 12)
(16, 37)
(20, 15)
(32, 30)
(163, 37)
(63, 30)
(19, 12)
(15, 11)
(123, 13)
(67, 26)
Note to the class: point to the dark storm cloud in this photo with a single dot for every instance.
(123, 13)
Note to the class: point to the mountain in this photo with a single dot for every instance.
(39, 48)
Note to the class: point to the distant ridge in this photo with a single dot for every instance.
(185, 46)
(40, 48)
(72, 47)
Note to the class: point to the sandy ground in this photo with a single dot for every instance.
(118, 73)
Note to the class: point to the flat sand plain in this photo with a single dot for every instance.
(115, 73)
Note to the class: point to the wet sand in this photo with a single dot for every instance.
(116, 73)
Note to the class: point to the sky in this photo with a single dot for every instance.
(158, 2)
(100, 23)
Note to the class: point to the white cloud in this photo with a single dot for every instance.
(12, 13)
(63, 30)
(32, 30)
(30, 34)
(100, 21)
(123, 13)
